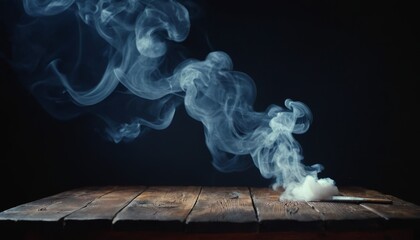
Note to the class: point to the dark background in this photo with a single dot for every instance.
(354, 63)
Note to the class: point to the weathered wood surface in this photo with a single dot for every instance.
(223, 209)
(54, 208)
(193, 210)
(282, 215)
(103, 209)
(399, 210)
(346, 215)
(159, 208)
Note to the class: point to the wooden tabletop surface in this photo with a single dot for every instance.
(207, 209)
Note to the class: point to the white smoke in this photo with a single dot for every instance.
(139, 35)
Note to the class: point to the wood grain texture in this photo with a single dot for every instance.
(208, 213)
(347, 216)
(159, 208)
(399, 210)
(101, 211)
(223, 209)
(56, 207)
(275, 215)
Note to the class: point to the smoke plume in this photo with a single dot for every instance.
(134, 77)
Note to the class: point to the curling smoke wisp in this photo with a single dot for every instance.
(134, 76)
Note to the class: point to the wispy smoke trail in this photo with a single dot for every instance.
(144, 79)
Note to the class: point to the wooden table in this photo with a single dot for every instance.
(194, 212)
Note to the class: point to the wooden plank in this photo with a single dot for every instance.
(216, 210)
(54, 208)
(399, 211)
(338, 216)
(276, 215)
(101, 211)
(223, 209)
(158, 208)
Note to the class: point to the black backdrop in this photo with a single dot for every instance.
(352, 62)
